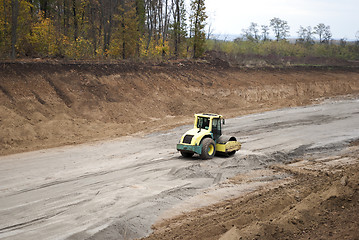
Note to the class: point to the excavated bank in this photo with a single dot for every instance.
(46, 104)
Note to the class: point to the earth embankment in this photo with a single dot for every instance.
(52, 104)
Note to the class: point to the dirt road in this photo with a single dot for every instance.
(117, 189)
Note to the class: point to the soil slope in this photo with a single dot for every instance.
(47, 104)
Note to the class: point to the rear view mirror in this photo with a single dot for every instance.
(223, 122)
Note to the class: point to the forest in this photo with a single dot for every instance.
(143, 29)
(101, 28)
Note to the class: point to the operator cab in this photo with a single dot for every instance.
(211, 122)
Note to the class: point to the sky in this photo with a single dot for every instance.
(229, 17)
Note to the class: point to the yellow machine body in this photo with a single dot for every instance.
(207, 126)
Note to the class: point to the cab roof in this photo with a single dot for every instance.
(210, 115)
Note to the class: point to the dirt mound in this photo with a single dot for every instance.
(47, 104)
(193, 171)
(319, 201)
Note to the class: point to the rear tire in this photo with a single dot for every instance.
(187, 154)
(208, 148)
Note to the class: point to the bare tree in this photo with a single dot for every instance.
(327, 36)
(305, 35)
(301, 34)
(251, 34)
(165, 25)
(280, 28)
(210, 27)
(265, 32)
(320, 30)
(177, 26)
(254, 30)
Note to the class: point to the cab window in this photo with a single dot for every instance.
(216, 124)
(203, 122)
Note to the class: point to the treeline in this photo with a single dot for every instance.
(101, 28)
(280, 30)
(241, 50)
(145, 29)
(310, 42)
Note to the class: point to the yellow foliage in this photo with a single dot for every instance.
(43, 37)
(79, 49)
(162, 48)
(153, 49)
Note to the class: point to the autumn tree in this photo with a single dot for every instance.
(198, 18)
(280, 28)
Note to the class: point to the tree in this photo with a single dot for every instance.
(108, 8)
(280, 28)
(305, 35)
(301, 34)
(179, 25)
(153, 9)
(165, 26)
(198, 18)
(321, 30)
(130, 31)
(14, 16)
(309, 38)
(327, 35)
(251, 34)
(93, 24)
(265, 32)
(247, 35)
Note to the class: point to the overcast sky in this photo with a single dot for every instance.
(229, 17)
